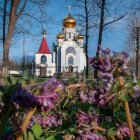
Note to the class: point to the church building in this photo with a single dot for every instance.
(43, 60)
(68, 54)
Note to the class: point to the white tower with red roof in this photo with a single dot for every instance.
(43, 59)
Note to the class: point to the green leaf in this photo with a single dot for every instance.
(125, 96)
(37, 131)
(132, 138)
(133, 115)
(50, 138)
(129, 84)
(111, 132)
(54, 137)
(71, 129)
(26, 75)
(12, 80)
(30, 136)
(25, 137)
(32, 78)
(22, 82)
(115, 87)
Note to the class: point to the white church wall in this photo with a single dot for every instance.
(63, 60)
(38, 58)
(50, 67)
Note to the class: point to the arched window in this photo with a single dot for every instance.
(43, 59)
(70, 60)
(69, 35)
(70, 50)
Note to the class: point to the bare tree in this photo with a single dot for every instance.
(110, 12)
(13, 18)
(97, 15)
(133, 28)
(85, 20)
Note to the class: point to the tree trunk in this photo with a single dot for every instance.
(101, 27)
(11, 26)
(86, 35)
(4, 20)
(137, 52)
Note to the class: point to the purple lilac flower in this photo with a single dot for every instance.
(49, 121)
(23, 98)
(91, 136)
(86, 118)
(49, 95)
(88, 96)
(103, 65)
(107, 76)
(103, 99)
(83, 117)
(122, 131)
(45, 101)
(96, 96)
(136, 88)
(51, 86)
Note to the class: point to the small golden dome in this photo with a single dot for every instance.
(60, 36)
(69, 22)
(80, 37)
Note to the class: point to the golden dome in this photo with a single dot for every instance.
(60, 36)
(80, 37)
(69, 22)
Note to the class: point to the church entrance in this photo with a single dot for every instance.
(43, 71)
(70, 69)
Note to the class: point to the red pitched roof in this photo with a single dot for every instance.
(44, 49)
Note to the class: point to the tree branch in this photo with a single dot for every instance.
(114, 20)
(32, 17)
(21, 9)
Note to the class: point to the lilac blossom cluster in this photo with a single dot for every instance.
(49, 94)
(48, 121)
(45, 101)
(91, 136)
(102, 64)
(21, 97)
(123, 131)
(85, 118)
(136, 90)
(105, 67)
(96, 96)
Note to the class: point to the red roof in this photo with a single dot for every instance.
(44, 49)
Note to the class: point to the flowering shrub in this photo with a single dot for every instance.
(87, 113)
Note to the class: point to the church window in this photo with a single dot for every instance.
(43, 59)
(70, 60)
(70, 50)
(69, 35)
